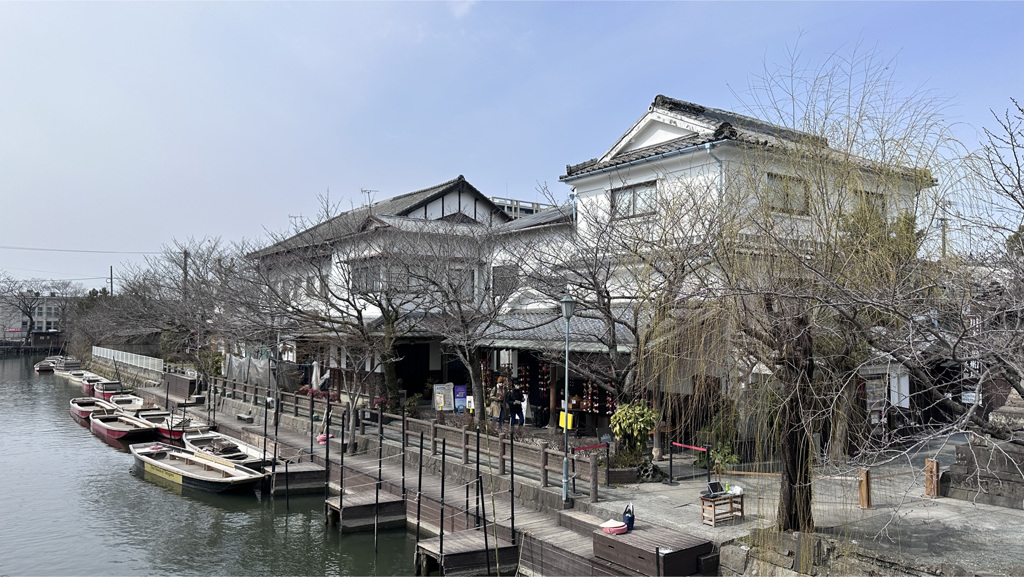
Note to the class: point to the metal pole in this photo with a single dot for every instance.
(444, 456)
(266, 408)
(327, 458)
(287, 502)
(487, 547)
(512, 483)
(478, 496)
(341, 471)
(311, 405)
(419, 490)
(404, 440)
(380, 465)
(565, 428)
(707, 459)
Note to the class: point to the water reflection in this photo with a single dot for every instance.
(72, 507)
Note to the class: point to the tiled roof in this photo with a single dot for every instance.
(348, 222)
(546, 330)
(554, 215)
(729, 126)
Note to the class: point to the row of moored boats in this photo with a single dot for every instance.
(209, 461)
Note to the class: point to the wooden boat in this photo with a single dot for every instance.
(167, 425)
(191, 470)
(116, 427)
(89, 383)
(45, 366)
(83, 407)
(128, 403)
(224, 447)
(106, 389)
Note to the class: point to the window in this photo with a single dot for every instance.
(504, 279)
(366, 277)
(872, 199)
(635, 200)
(787, 194)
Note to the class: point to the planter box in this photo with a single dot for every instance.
(620, 476)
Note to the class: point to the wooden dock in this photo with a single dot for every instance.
(361, 511)
(467, 553)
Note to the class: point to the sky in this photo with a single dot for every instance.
(127, 125)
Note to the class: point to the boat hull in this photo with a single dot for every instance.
(119, 430)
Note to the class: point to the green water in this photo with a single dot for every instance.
(70, 506)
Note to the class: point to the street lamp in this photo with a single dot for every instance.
(568, 306)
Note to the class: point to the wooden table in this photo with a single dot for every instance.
(714, 510)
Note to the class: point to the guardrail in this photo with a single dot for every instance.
(139, 361)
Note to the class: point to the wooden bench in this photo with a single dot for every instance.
(244, 417)
(652, 550)
(714, 510)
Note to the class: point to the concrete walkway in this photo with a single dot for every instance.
(902, 527)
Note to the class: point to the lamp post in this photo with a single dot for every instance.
(568, 306)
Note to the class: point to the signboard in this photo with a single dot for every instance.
(444, 397)
(471, 402)
(460, 398)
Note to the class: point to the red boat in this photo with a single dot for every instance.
(118, 429)
(170, 426)
(82, 408)
(88, 383)
(106, 389)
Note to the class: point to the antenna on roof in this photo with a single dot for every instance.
(366, 193)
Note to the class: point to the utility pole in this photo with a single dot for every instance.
(111, 280)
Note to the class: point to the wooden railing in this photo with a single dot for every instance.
(493, 449)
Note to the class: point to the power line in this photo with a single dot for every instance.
(75, 250)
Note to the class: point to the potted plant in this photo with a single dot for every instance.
(722, 456)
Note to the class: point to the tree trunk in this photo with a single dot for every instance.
(387, 360)
(795, 494)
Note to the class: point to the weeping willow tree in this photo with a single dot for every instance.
(816, 266)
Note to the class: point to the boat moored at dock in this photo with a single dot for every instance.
(224, 447)
(116, 428)
(189, 470)
(107, 389)
(83, 407)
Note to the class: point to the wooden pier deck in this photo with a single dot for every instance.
(467, 553)
(359, 511)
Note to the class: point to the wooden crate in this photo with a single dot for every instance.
(677, 553)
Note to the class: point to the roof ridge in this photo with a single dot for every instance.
(455, 180)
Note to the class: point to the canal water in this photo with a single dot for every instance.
(69, 505)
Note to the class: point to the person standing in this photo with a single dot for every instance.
(515, 406)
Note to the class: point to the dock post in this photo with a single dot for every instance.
(287, 501)
(341, 472)
(594, 477)
(419, 490)
(543, 463)
(311, 426)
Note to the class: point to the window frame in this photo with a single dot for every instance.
(648, 188)
(773, 197)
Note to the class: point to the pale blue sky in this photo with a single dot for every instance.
(124, 125)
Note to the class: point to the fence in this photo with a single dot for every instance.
(488, 448)
(140, 361)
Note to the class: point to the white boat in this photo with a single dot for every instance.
(187, 469)
(224, 447)
(128, 403)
